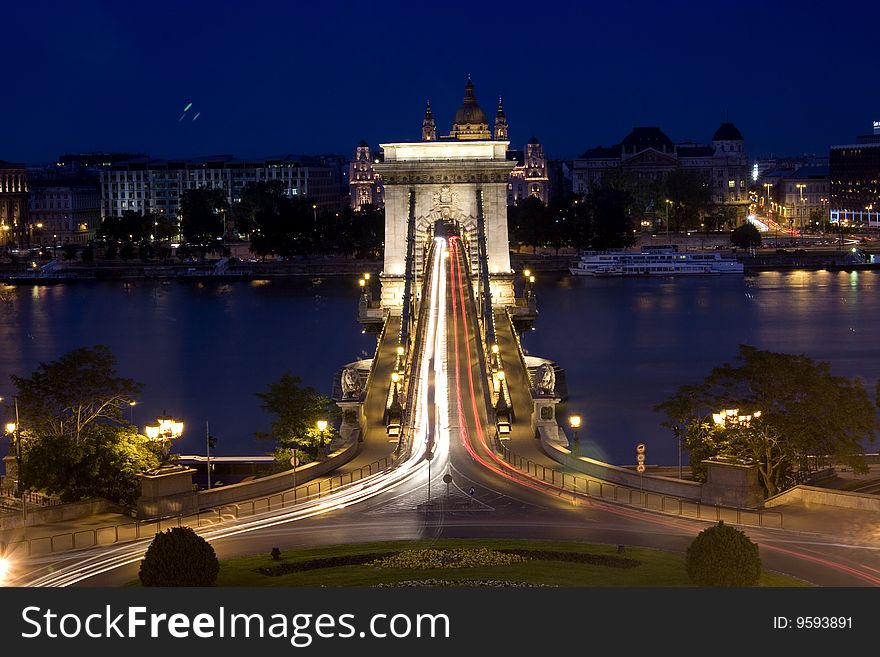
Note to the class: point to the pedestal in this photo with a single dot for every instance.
(11, 465)
(352, 419)
(544, 415)
(732, 484)
(166, 491)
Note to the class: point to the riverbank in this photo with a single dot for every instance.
(217, 269)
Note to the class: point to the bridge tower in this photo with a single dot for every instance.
(459, 179)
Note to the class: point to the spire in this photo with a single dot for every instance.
(429, 127)
(501, 127)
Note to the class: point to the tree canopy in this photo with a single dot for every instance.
(202, 217)
(787, 411)
(296, 410)
(75, 440)
(746, 236)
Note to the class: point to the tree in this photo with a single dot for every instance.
(746, 236)
(790, 411)
(69, 251)
(723, 556)
(75, 440)
(296, 410)
(202, 214)
(64, 397)
(88, 253)
(179, 557)
(690, 195)
(127, 251)
(610, 210)
(105, 463)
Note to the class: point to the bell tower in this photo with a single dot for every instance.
(429, 126)
(501, 128)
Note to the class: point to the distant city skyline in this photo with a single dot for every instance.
(185, 81)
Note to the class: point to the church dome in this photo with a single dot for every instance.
(470, 112)
(727, 132)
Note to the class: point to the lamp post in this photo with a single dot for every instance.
(131, 406)
(368, 291)
(14, 429)
(574, 421)
(801, 187)
(666, 206)
(677, 431)
(322, 427)
(526, 274)
(769, 186)
(166, 429)
(211, 441)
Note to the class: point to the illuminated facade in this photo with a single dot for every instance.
(459, 179)
(365, 185)
(529, 177)
(13, 203)
(855, 180)
(647, 155)
(156, 185)
(798, 194)
(63, 211)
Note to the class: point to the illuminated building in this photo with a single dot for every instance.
(460, 180)
(364, 183)
(145, 185)
(13, 203)
(529, 176)
(798, 194)
(855, 181)
(646, 155)
(63, 210)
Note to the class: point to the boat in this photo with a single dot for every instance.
(654, 261)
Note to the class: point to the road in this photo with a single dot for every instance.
(505, 503)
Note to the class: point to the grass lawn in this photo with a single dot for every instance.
(654, 568)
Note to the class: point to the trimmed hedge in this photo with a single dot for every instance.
(723, 556)
(179, 557)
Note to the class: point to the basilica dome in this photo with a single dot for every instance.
(470, 112)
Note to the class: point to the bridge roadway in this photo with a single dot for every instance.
(505, 503)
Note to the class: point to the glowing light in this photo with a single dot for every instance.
(10, 427)
(400, 350)
(494, 348)
(395, 377)
(4, 569)
(322, 425)
(574, 421)
(188, 105)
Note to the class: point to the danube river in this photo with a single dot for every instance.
(204, 350)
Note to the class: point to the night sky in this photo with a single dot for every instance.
(308, 77)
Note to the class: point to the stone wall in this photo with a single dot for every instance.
(686, 490)
(43, 515)
(809, 495)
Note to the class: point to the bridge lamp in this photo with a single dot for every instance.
(495, 349)
(362, 283)
(400, 350)
(395, 377)
(574, 421)
(166, 428)
(532, 280)
(367, 276)
(527, 272)
(501, 375)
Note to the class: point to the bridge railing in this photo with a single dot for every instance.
(568, 482)
(140, 529)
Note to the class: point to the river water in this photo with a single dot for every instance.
(204, 350)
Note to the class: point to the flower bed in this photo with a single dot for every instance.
(455, 558)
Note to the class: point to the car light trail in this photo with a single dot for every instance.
(430, 430)
(507, 471)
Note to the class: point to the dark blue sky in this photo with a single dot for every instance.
(307, 77)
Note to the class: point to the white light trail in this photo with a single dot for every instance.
(433, 343)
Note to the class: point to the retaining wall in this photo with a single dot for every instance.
(44, 515)
(686, 490)
(826, 496)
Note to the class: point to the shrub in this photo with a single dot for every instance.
(723, 556)
(179, 557)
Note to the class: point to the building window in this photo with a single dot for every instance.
(731, 184)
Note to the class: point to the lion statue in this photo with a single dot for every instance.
(545, 379)
(351, 383)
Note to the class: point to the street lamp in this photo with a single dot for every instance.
(322, 427)
(666, 206)
(801, 187)
(574, 421)
(166, 429)
(677, 431)
(14, 428)
(131, 406)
